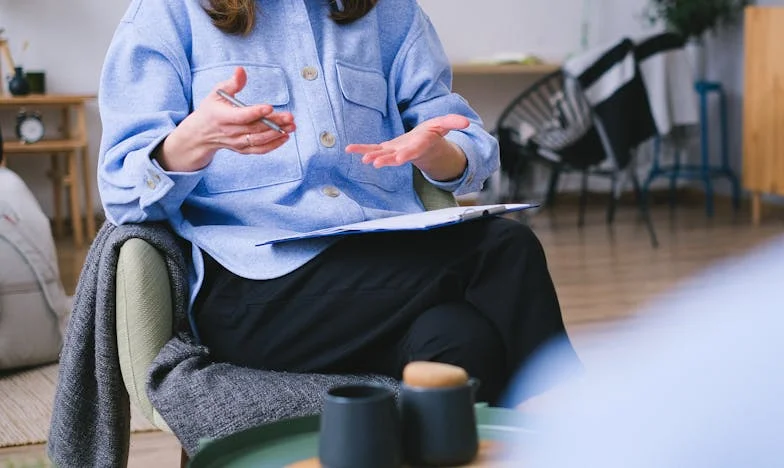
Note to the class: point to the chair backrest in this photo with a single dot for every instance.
(552, 112)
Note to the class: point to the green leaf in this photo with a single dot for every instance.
(693, 18)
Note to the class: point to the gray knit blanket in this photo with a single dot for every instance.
(198, 399)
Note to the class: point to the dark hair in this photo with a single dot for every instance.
(239, 16)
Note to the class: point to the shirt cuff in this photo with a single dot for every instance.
(448, 185)
(168, 189)
(466, 182)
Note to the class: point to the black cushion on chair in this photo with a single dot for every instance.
(587, 151)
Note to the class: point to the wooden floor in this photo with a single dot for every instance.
(603, 274)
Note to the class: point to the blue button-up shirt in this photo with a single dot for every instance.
(366, 82)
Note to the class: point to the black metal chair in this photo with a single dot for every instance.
(552, 123)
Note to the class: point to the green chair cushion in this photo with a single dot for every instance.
(432, 197)
(144, 318)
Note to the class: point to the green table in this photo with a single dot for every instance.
(286, 442)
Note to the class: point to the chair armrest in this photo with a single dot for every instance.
(144, 318)
(432, 197)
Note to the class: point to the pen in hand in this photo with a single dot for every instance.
(239, 103)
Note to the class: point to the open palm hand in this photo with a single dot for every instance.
(416, 146)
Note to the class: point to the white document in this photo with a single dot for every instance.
(411, 222)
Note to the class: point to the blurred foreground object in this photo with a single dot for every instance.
(697, 381)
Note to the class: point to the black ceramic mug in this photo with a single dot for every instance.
(439, 424)
(360, 428)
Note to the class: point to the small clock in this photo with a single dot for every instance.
(29, 127)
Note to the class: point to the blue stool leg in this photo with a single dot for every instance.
(725, 152)
(705, 153)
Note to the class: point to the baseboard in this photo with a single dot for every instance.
(569, 198)
(655, 197)
(688, 196)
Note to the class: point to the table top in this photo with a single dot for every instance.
(491, 455)
(294, 442)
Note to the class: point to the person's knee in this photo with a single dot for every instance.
(519, 232)
(508, 234)
(458, 334)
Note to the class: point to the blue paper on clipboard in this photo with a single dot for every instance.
(411, 222)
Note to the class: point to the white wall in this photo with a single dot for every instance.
(547, 28)
(550, 28)
(68, 39)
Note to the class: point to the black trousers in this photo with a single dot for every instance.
(477, 294)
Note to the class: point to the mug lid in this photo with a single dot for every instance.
(426, 374)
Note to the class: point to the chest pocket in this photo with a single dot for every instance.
(230, 171)
(364, 111)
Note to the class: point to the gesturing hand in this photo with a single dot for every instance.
(424, 146)
(217, 124)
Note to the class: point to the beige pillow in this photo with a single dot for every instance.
(33, 305)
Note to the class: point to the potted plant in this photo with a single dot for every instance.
(692, 19)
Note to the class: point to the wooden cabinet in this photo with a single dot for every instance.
(763, 107)
(68, 153)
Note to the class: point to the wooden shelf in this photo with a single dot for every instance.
(504, 69)
(43, 146)
(44, 99)
(68, 154)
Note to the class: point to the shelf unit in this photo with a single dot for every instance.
(69, 156)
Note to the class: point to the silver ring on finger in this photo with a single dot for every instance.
(247, 139)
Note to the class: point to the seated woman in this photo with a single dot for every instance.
(361, 90)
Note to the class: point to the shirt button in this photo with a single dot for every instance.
(327, 139)
(153, 176)
(151, 184)
(330, 191)
(310, 73)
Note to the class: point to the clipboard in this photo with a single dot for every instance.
(423, 221)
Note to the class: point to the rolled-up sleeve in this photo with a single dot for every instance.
(423, 86)
(142, 98)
